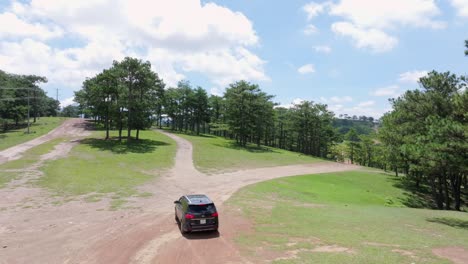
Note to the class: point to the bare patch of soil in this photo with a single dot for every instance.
(457, 255)
(333, 249)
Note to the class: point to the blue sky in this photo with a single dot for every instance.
(350, 54)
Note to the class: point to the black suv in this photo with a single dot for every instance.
(196, 213)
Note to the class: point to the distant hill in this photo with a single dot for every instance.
(361, 126)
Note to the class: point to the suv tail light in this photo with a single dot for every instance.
(214, 214)
(189, 216)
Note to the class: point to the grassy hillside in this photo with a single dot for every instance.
(42, 126)
(349, 217)
(214, 154)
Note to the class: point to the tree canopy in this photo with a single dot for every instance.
(20, 93)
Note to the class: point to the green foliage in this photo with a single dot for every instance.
(127, 94)
(249, 112)
(187, 108)
(426, 136)
(362, 126)
(19, 91)
(359, 211)
(70, 111)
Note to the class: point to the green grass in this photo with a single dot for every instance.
(7, 176)
(350, 210)
(42, 126)
(215, 154)
(96, 166)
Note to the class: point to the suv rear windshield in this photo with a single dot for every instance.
(202, 209)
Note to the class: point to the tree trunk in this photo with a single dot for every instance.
(107, 123)
(456, 190)
(440, 194)
(446, 193)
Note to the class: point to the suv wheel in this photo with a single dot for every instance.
(182, 230)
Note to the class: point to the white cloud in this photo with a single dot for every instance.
(365, 108)
(374, 39)
(314, 9)
(322, 49)
(310, 29)
(371, 24)
(214, 42)
(305, 69)
(461, 6)
(387, 14)
(13, 27)
(66, 102)
(389, 91)
(294, 102)
(216, 91)
(412, 76)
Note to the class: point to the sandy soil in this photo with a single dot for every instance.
(34, 230)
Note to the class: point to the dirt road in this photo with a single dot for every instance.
(73, 127)
(32, 230)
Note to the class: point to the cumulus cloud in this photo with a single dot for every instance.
(67, 101)
(305, 69)
(461, 6)
(14, 27)
(388, 14)
(370, 23)
(313, 9)
(214, 42)
(373, 39)
(412, 76)
(294, 102)
(216, 91)
(310, 29)
(365, 108)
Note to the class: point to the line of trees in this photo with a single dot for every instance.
(131, 96)
(20, 93)
(248, 115)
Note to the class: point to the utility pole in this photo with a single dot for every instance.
(28, 111)
(57, 95)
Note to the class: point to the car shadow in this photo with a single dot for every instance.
(201, 235)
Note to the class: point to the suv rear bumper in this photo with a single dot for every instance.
(191, 228)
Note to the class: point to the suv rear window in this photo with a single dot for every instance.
(202, 209)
